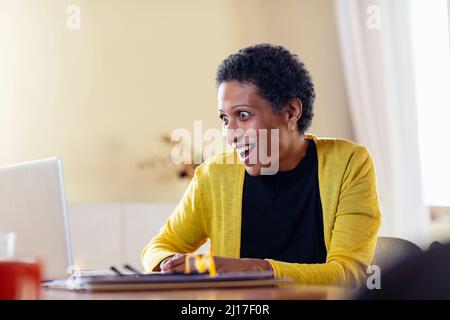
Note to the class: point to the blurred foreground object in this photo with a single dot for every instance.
(425, 276)
(20, 279)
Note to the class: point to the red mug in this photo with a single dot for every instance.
(20, 279)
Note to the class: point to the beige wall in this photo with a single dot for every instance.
(102, 96)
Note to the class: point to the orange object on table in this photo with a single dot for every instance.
(20, 279)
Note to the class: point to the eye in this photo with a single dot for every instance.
(224, 118)
(243, 115)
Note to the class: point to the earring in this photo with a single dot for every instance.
(292, 128)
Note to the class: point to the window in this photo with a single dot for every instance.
(430, 25)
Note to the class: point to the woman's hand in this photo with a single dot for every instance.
(223, 264)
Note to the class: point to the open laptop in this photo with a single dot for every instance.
(33, 206)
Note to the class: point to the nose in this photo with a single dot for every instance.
(232, 133)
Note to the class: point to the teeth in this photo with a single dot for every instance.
(242, 149)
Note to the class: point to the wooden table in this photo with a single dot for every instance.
(289, 292)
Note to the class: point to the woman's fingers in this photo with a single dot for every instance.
(177, 269)
(161, 265)
(222, 264)
(175, 264)
(175, 260)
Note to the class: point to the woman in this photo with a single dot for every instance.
(314, 220)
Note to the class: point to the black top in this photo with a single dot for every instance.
(282, 214)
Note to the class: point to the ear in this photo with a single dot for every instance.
(293, 110)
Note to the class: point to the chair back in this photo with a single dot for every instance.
(392, 250)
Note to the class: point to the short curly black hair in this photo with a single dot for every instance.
(278, 74)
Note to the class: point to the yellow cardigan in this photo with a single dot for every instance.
(211, 208)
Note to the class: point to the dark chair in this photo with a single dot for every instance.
(426, 276)
(390, 251)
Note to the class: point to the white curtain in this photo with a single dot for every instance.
(378, 62)
(448, 16)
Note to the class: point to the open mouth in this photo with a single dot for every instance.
(245, 151)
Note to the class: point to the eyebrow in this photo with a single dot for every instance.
(237, 105)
